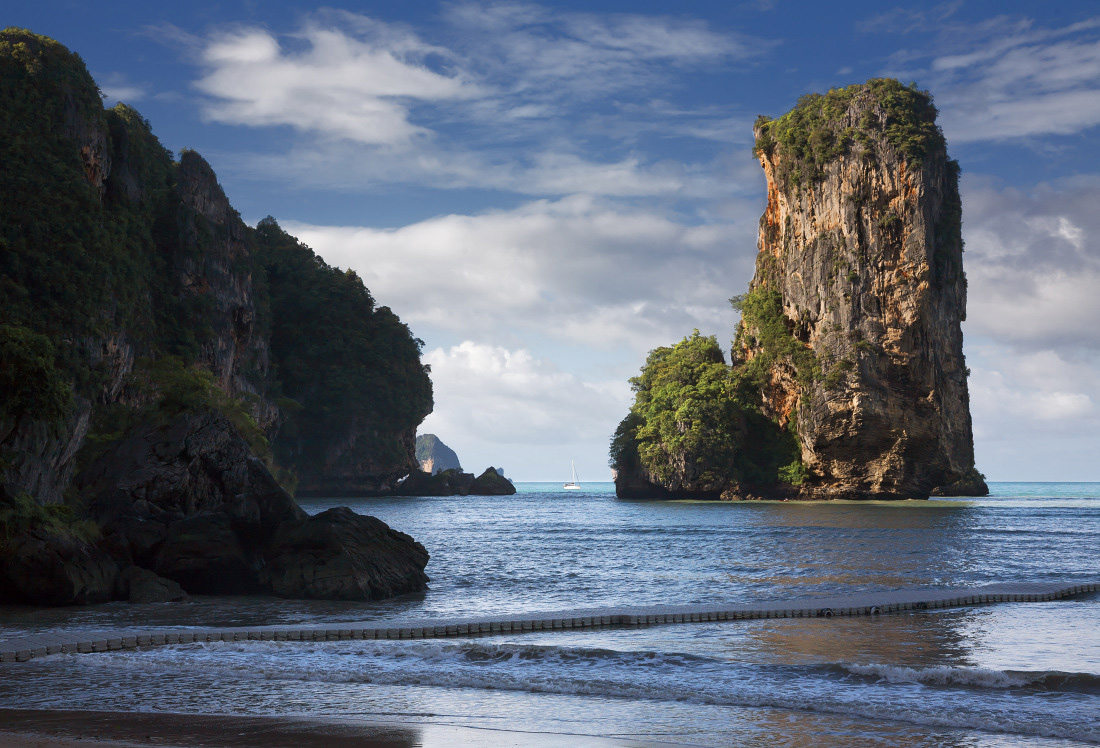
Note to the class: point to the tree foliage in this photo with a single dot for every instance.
(33, 386)
(334, 352)
(821, 127)
(764, 328)
(690, 407)
(683, 406)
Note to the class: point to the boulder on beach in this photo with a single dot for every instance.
(144, 587)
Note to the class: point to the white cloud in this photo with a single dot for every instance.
(1035, 412)
(493, 394)
(578, 270)
(1033, 263)
(552, 55)
(116, 87)
(511, 97)
(357, 88)
(334, 167)
(1033, 343)
(1006, 79)
(511, 409)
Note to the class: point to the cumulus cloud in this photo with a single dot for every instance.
(579, 270)
(1035, 412)
(498, 395)
(1033, 263)
(357, 87)
(496, 405)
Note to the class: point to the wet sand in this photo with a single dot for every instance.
(27, 728)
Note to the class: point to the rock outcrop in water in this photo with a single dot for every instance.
(456, 483)
(136, 310)
(850, 343)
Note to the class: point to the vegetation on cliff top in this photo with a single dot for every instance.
(765, 328)
(823, 127)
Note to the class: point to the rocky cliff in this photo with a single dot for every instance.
(850, 343)
(132, 293)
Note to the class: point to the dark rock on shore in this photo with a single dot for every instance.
(144, 586)
(447, 483)
(46, 562)
(971, 484)
(341, 555)
(188, 501)
(44, 569)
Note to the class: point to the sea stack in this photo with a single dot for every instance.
(847, 377)
(862, 240)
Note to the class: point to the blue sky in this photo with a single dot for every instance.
(545, 192)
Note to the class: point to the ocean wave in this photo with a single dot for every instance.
(978, 677)
(644, 675)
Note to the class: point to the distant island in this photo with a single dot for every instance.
(434, 456)
(169, 376)
(441, 474)
(847, 377)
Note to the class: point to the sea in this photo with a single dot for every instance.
(1007, 674)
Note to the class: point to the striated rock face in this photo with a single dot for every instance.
(214, 264)
(157, 263)
(861, 239)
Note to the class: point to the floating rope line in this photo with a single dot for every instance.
(870, 603)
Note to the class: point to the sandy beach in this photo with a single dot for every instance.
(28, 728)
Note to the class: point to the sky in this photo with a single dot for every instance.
(545, 192)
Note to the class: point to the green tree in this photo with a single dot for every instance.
(683, 407)
(30, 383)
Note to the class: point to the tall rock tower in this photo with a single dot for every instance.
(861, 241)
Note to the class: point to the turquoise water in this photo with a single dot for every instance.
(1010, 674)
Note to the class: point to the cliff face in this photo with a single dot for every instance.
(213, 265)
(121, 261)
(171, 354)
(847, 377)
(866, 255)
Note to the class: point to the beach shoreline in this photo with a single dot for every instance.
(35, 728)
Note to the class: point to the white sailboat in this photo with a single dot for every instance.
(572, 485)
